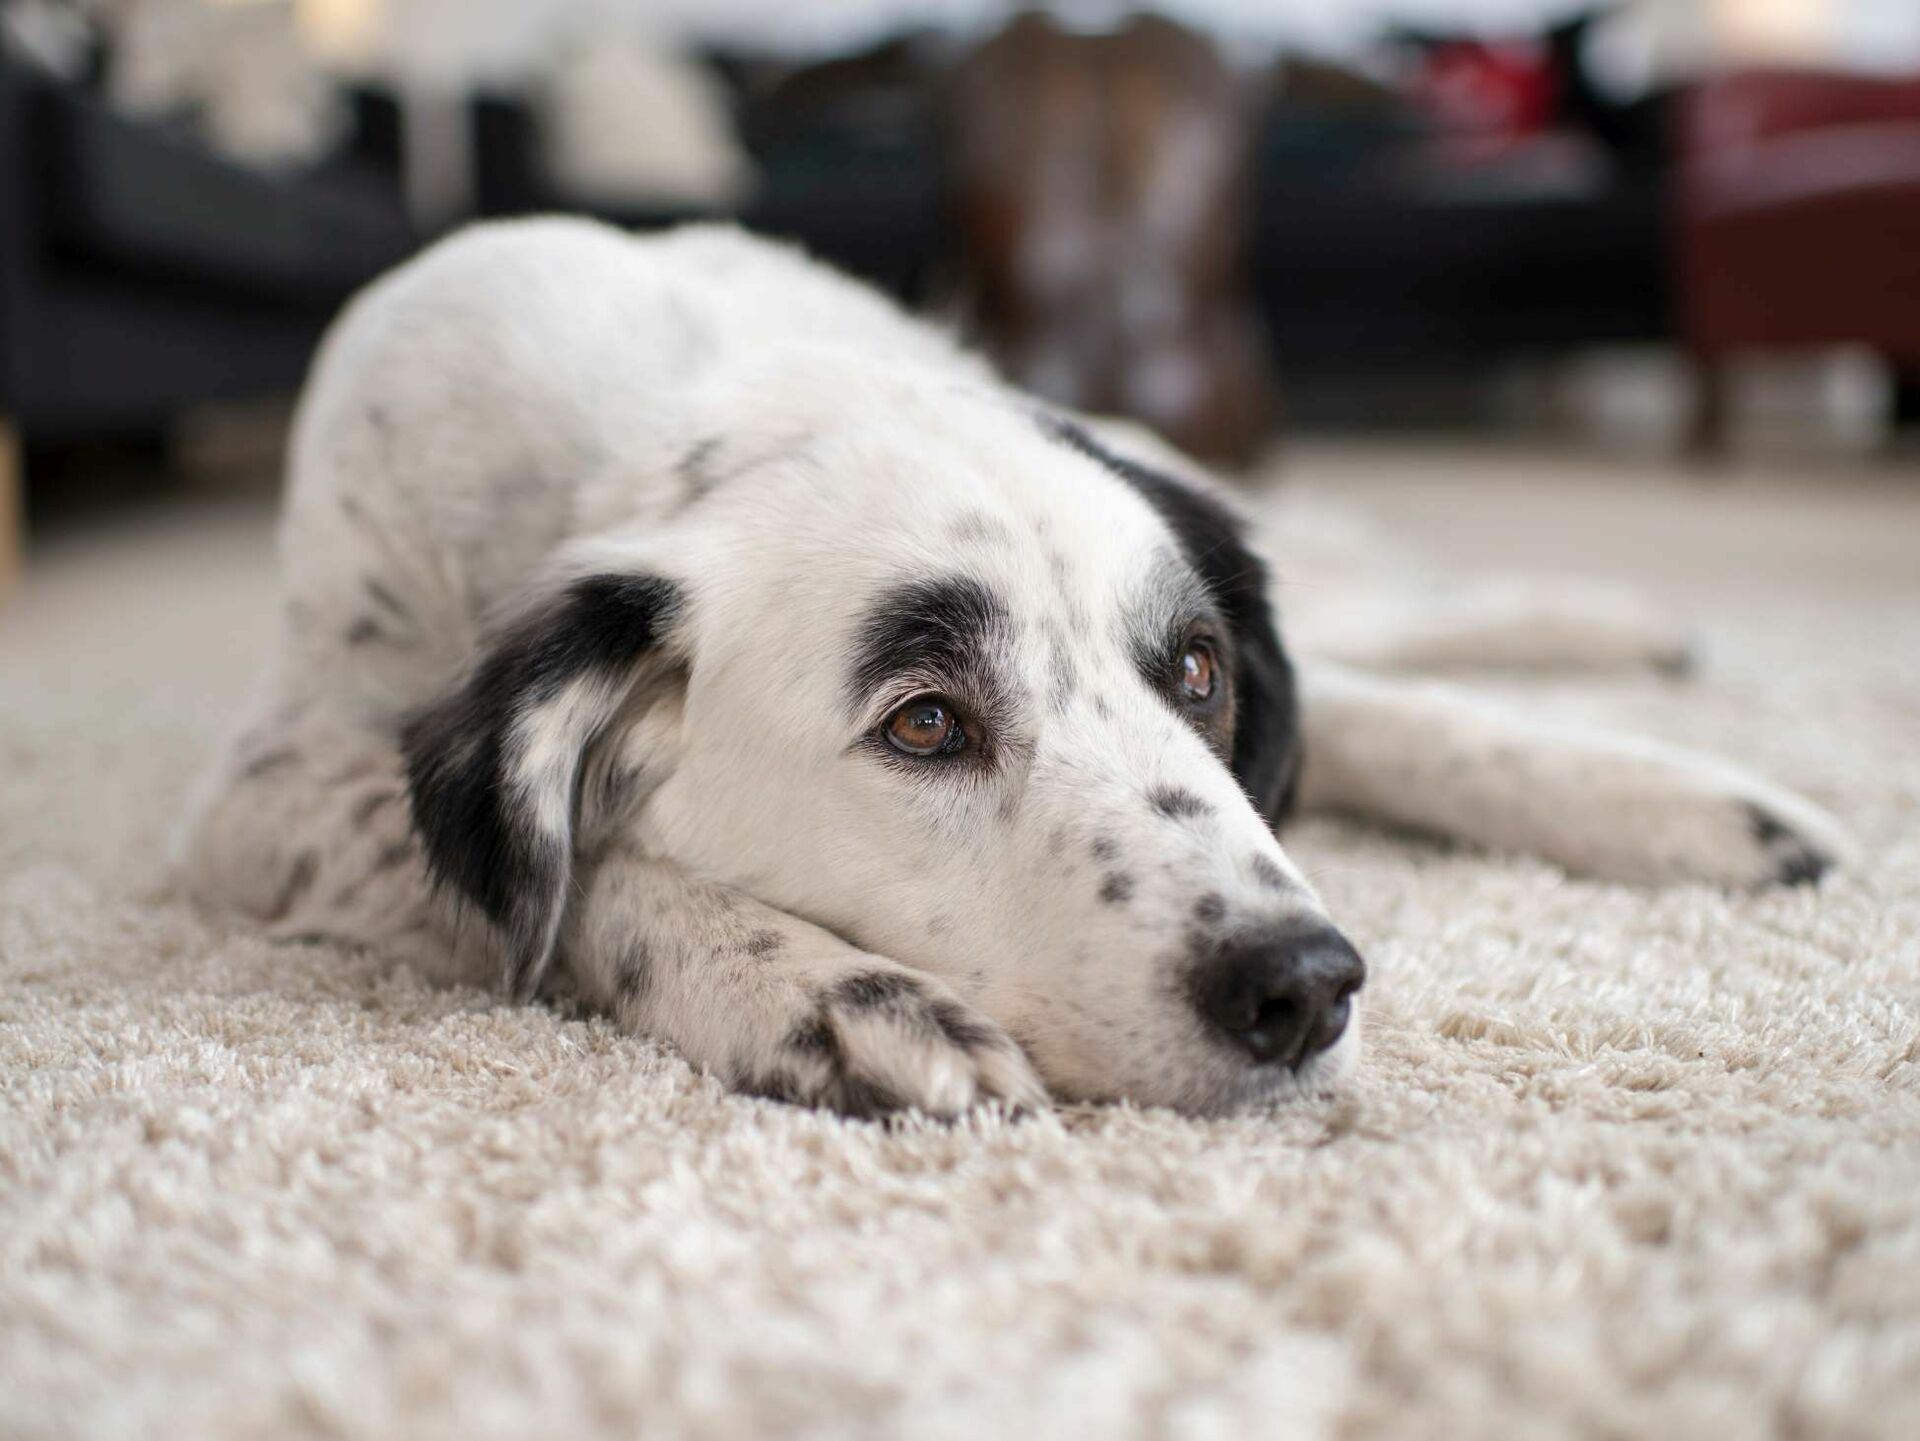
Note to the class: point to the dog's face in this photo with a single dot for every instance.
(972, 691)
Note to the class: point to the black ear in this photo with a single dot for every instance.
(493, 767)
(1266, 728)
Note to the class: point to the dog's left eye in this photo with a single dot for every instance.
(925, 727)
(1197, 672)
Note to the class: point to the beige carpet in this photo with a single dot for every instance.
(1621, 1164)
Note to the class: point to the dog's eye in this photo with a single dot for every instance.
(925, 727)
(1197, 669)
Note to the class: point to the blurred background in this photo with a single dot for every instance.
(1674, 231)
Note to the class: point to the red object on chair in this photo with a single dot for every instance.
(1798, 215)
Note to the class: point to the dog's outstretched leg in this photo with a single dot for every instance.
(1521, 625)
(1602, 805)
(776, 1006)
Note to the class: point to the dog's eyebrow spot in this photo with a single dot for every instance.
(1209, 908)
(938, 627)
(1117, 888)
(1268, 873)
(867, 990)
(1176, 803)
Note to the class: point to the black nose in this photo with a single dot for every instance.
(1281, 996)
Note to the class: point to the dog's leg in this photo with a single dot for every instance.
(776, 1006)
(305, 827)
(1514, 625)
(1602, 805)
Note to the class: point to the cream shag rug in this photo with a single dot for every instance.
(1621, 1163)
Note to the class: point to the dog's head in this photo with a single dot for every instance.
(957, 681)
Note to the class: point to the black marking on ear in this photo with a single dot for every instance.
(1117, 888)
(1268, 873)
(937, 628)
(870, 990)
(1177, 803)
(479, 821)
(1266, 736)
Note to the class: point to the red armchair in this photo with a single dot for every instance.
(1798, 220)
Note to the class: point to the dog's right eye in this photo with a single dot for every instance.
(925, 727)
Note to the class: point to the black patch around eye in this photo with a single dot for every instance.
(1265, 743)
(941, 627)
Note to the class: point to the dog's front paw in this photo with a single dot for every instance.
(1724, 827)
(882, 1041)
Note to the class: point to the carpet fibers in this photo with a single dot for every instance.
(1620, 1163)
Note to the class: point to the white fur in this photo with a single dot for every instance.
(551, 398)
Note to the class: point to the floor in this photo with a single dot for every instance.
(1620, 1162)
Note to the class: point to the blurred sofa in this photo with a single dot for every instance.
(140, 274)
(1797, 220)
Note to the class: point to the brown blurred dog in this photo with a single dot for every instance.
(1101, 184)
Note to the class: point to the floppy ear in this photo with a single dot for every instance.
(1266, 727)
(493, 767)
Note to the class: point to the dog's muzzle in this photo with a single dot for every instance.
(1281, 996)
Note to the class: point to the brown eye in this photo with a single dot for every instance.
(924, 727)
(1197, 672)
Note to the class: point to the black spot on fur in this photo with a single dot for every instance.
(1210, 908)
(299, 881)
(1796, 861)
(814, 1038)
(633, 978)
(1104, 848)
(385, 599)
(267, 762)
(1267, 871)
(1117, 888)
(393, 855)
(961, 1027)
(762, 943)
(1266, 740)
(479, 830)
(368, 631)
(1177, 803)
(976, 527)
(372, 805)
(695, 468)
(870, 990)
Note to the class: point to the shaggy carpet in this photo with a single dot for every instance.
(1620, 1163)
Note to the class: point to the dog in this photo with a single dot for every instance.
(676, 625)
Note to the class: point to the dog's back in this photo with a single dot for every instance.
(518, 386)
